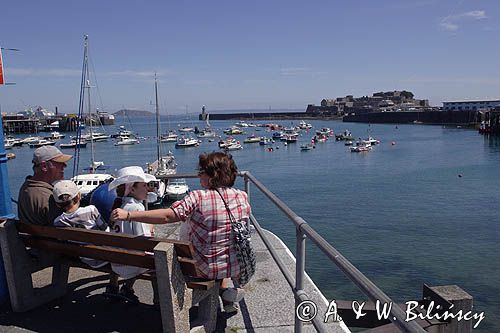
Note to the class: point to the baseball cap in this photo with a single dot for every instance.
(64, 190)
(49, 153)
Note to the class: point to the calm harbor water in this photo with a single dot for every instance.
(423, 210)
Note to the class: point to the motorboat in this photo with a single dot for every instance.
(325, 131)
(372, 141)
(124, 141)
(241, 123)
(31, 139)
(82, 143)
(122, 132)
(277, 135)
(186, 143)
(233, 146)
(186, 129)
(320, 138)
(252, 139)
(10, 142)
(307, 146)
(361, 146)
(86, 183)
(290, 138)
(265, 141)
(41, 143)
(305, 126)
(176, 188)
(226, 142)
(233, 131)
(14, 141)
(96, 137)
(55, 136)
(346, 135)
(206, 133)
(171, 136)
(348, 143)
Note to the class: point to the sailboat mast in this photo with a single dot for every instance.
(158, 134)
(76, 160)
(87, 85)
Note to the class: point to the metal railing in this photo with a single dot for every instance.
(303, 232)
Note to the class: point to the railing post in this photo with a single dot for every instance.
(300, 256)
(247, 185)
(247, 190)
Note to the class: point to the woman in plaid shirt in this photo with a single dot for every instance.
(208, 222)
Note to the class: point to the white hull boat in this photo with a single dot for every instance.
(176, 188)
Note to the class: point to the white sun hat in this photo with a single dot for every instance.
(131, 174)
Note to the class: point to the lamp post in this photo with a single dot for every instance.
(5, 200)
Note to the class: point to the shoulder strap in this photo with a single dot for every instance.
(231, 217)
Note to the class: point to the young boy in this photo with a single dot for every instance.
(67, 197)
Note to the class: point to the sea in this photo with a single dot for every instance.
(422, 207)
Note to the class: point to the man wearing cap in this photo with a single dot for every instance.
(36, 204)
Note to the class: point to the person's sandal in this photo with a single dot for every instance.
(128, 295)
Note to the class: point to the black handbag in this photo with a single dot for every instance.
(243, 246)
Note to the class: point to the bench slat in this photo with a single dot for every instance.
(96, 237)
(115, 255)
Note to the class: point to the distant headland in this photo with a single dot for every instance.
(133, 113)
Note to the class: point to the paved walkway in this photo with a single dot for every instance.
(267, 307)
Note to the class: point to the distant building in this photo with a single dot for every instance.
(379, 102)
(470, 105)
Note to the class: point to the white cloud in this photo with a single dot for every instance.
(451, 23)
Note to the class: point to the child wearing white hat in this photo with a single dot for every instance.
(131, 190)
(67, 197)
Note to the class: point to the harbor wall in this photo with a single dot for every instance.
(255, 115)
(424, 117)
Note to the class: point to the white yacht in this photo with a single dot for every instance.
(304, 125)
(187, 142)
(177, 188)
(88, 182)
(361, 146)
(126, 141)
(55, 136)
(96, 137)
(171, 136)
(233, 146)
(42, 142)
(82, 143)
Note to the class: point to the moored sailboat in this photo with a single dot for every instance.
(87, 182)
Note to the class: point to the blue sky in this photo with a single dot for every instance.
(248, 54)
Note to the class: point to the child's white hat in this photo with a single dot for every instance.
(131, 174)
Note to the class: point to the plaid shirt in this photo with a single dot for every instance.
(210, 228)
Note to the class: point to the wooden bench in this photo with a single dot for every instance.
(28, 248)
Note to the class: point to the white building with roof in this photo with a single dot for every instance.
(470, 105)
